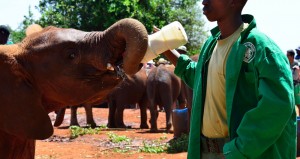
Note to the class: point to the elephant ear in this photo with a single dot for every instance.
(33, 28)
(21, 111)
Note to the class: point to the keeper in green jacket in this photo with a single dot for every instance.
(243, 104)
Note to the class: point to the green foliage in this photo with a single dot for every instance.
(77, 131)
(98, 15)
(19, 34)
(179, 144)
(153, 147)
(156, 146)
(114, 138)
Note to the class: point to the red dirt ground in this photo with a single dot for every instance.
(59, 146)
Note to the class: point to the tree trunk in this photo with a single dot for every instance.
(12, 147)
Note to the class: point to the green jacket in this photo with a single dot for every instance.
(259, 97)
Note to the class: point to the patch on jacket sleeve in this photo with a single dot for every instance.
(250, 52)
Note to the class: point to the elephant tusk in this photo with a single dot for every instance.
(110, 67)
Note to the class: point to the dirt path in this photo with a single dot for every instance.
(60, 146)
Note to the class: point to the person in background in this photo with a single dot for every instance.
(4, 34)
(149, 66)
(161, 61)
(297, 57)
(182, 50)
(243, 104)
(294, 66)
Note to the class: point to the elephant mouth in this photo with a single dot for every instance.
(119, 70)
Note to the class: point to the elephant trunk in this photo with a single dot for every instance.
(128, 40)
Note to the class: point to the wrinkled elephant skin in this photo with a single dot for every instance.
(56, 67)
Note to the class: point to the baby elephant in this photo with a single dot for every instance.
(131, 91)
(163, 89)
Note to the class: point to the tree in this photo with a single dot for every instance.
(97, 15)
(19, 34)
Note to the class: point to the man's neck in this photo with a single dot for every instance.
(229, 26)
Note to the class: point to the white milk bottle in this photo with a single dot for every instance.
(169, 37)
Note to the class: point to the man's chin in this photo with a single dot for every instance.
(211, 19)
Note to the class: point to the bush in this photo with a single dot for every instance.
(177, 145)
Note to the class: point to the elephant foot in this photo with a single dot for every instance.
(144, 126)
(153, 130)
(109, 125)
(123, 126)
(92, 125)
(74, 123)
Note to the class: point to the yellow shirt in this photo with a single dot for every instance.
(214, 116)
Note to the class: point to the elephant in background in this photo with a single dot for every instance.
(73, 120)
(45, 68)
(131, 91)
(163, 89)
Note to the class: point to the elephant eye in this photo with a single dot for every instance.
(72, 56)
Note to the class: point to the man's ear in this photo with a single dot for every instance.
(33, 28)
(21, 111)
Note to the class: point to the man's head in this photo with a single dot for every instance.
(298, 50)
(4, 34)
(162, 61)
(290, 55)
(217, 10)
(182, 49)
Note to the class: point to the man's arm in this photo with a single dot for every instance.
(172, 56)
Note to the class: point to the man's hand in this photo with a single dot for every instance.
(155, 29)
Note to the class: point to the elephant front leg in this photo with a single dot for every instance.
(143, 112)
(111, 114)
(119, 119)
(89, 116)
(74, 121)
(59, 117)
(12, 147)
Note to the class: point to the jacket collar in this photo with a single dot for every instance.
(247, 18)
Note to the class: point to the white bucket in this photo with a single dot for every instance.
(169, 37)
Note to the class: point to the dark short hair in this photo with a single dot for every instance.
(4, 31)
(290, 52)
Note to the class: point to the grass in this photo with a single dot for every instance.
(124, 143)
(114, 138)
(179, 144)
(153, 147)
(77, 131)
